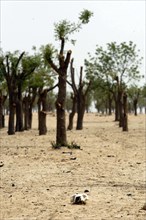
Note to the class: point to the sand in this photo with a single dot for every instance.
(38, 181)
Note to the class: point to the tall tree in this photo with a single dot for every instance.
(63, 30)
(80, 96)
(119, 65)
(134, 94)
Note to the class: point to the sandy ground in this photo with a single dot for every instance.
(38, 181)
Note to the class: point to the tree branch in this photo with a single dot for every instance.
(67, 60)
(54, 67)
(62, 46)
(51, 88)
(88, 87)
(19, 59)
(72, 70)
(81, 76)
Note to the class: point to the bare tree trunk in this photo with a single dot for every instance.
(116, 107)
(110, 104)
(42, 127)
(71, 115)
(26, 112)
(80, 111)
(19, 116)
(125, 115)
(1, 111)
(135, 106)
(42, 113)
(2, 116)
(12, 105)
(61, 138)
(120, 102)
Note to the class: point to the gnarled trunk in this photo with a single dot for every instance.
(61, 138)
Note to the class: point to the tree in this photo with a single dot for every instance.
(134, 94)
(118, 65)
(63, 30)
(79, 97)
(16, 67)
(43, 80)
(28, 66)
(9, 66)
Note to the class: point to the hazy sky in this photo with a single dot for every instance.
(28, 23)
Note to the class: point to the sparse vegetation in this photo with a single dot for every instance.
(72, 145)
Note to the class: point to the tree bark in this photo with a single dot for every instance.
(120, 103)
(80, 110)
(12, 106)
(61, 138)
(125, 115)
(42, 124)
(71, 115)
(26, 101)
(42, 113)
(135, 101)
(1, 111)
(19, 116)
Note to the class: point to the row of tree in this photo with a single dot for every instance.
(115, 70)
(110, 80)
(26, 77)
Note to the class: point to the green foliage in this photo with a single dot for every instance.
(64, 28)
(85, 16)
(117, 60)
(73, 145)
(42, 76)
(48, 52)
(144, 91)
(30, 63)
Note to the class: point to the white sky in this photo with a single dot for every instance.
(27, 23)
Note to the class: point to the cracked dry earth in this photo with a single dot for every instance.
(38, 181)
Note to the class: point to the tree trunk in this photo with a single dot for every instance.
(43, 127)
(80, 111)
(12, 105)
(135, 106)
(19, 109)
(26, 112)
(120, 103)
(19, 116)
(71, 115)
(1, 111)
(110, 105)
(61, 138)
(116, 111)
(125, 115)
(2, 116)
(31, 102)
(42, 114)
